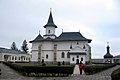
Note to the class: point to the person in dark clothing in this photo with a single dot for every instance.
(81, 67)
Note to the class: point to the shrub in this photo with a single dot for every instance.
(43, 64)
(59, 64)
(63, 63)
(92, 69)
(43, 70)
(116, 74)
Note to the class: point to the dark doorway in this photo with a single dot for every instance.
(42, 60)
(77, 61)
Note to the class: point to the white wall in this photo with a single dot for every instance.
(52, 30)
(64, 46)
(75, 58)
(34, 56)
(15, 55)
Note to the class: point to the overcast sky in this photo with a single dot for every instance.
(98, 20)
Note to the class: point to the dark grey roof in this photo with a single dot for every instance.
(4, 50)
(77, 53)
(108, 56)
(50, 21)
(72, 36)
(65, 36)
(38, 38)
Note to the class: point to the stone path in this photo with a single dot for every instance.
(104, 75)
(9, 74)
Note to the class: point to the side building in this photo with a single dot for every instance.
(68, 47)
(9, 55)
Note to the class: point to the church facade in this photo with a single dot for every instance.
(68, 47)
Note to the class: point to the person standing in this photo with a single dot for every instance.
(81, 67)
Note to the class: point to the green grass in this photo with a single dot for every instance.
(31, 64)
(26, 64)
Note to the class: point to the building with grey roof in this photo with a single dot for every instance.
(13, 55)
(69, 47)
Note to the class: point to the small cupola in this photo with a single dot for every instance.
(108, 55)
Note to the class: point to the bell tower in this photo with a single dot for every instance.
(50, 28)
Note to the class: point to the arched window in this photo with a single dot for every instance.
(63, 55)
(48, 31)
(70, 46)
(73, 59)
(13, 58)
(47, 56)
(19, 58)
(68, 55)
(77, 43)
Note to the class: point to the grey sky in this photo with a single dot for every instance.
(98, 20)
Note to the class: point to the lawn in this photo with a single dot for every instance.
(36, 64)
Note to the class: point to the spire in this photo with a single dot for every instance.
(62, 30)
(50, 21)
(107, 43)
(39, 31)
(108, 48)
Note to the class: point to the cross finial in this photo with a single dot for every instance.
(107, 43)
(50, 9)
(39, 31)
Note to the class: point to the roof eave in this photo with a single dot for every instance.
(50, 25)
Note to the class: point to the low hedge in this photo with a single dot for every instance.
(92, 69)
(116, 74)
(42, 70)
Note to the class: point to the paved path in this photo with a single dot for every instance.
(104, 75)
(9, 74)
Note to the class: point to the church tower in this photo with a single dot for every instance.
(50, 28)
(108, 58)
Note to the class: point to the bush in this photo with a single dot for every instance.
(92, 69)
(63, 63)
(43, 70)
(59, 64)
(43, 64)
(116, 74)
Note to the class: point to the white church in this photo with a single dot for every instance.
(70, 47)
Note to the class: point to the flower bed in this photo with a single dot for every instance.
(92, 69)
(37, 70)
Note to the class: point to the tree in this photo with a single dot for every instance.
(13, 46)
(24, 46)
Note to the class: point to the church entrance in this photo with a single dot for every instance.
(77, 61)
